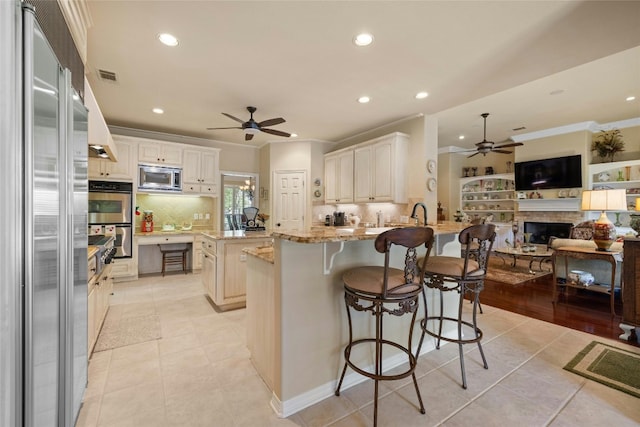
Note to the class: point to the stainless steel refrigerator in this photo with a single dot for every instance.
(43, 215)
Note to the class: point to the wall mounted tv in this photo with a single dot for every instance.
(559, 172)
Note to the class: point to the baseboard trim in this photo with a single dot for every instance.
(297, 403)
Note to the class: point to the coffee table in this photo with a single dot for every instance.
(541, 254)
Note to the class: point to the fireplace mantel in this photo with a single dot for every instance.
(571, 204)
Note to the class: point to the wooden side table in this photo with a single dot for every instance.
(631, 294)
(588, 254)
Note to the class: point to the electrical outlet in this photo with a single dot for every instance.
(243, 257)
(207, 216)
(195, 216)
(200, 216)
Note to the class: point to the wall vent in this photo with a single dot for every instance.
(107, 75)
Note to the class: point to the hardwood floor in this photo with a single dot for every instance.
(580, 309)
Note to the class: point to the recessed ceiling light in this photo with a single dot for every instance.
(461, 137)
(363, 39)
(168, 39)
(421, 95)
(97, 147)
(631, 98)
(364, 99)
(556, 92)
(158, 110)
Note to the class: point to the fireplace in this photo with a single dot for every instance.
(542, 231)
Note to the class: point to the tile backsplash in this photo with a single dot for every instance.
(177, 210)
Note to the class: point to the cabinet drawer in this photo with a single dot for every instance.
(209, 246)
(165, 240)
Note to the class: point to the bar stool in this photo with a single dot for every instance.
(174, 257)
(464, 275)
(386, 290)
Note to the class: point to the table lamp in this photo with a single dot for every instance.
(604, 232)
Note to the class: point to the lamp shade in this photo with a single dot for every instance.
(604, 200)
(638, 203)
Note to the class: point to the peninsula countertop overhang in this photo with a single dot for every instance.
(335, 234)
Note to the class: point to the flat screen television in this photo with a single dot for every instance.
(558, 172)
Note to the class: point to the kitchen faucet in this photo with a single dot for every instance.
(414, 215)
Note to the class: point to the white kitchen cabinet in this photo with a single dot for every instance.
(338, 177)
(97, 306)
(124, 269)
(196, 261)
(200, 171)
(160, 153)
(208, 272)
(122, 170)
(380, 169)
(226, 284)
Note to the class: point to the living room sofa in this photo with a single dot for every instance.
(601, 270)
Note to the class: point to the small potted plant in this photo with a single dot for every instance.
(607, 144)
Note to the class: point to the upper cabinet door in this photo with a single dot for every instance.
(338, 177)
(159, 153)
(363, 175)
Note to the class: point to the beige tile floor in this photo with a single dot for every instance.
(199, 374)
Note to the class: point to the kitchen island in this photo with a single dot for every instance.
(296, 318)
(224, 266)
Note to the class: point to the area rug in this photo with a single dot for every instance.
(128, 331)
(608, 365)
(502, 271)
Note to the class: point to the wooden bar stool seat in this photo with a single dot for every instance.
(174, 257)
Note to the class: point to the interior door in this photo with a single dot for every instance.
(289, 200)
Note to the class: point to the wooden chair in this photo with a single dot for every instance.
(174, 257)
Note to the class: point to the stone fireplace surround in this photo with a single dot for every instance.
(552, 217)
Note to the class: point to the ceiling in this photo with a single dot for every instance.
(296, 59)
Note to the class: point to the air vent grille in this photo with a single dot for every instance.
(107, 75)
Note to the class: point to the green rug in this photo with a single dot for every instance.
(608, 365)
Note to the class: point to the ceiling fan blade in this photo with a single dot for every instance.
(248, 136)
(474, 154)
(224, 128)
(276, 132)
(501, 151)
(271, 122)
(512, 144)
(233, 118)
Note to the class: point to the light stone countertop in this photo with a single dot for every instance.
(239, 234)
(265, 254)
(341, 234)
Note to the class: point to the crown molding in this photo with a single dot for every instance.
(589, 126)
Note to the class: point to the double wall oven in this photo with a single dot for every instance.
(111, 213)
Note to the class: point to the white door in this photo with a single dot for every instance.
(289, 200)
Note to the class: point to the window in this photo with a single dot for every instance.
(238, 193)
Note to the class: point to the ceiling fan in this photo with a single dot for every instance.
(483, 147)
(251, 127)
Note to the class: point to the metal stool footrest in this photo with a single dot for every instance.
(412, 360)
(477, 332)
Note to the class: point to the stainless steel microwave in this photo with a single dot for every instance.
(159, 178)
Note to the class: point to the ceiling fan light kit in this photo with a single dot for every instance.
(251, 127)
